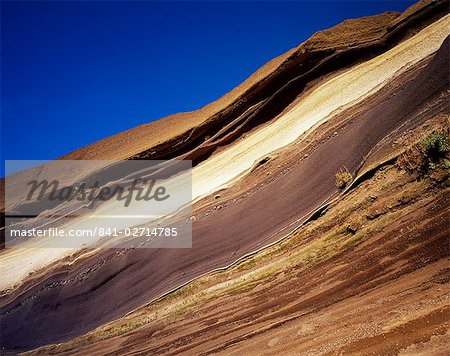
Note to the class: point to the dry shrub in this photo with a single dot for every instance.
(412, 160)
(343, 178)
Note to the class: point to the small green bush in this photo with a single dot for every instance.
(436, 145)
(343, 178)
(428, 157)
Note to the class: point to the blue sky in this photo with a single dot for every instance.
(75, 72)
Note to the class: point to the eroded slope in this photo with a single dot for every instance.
(392, 93)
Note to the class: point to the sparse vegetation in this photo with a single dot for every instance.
(436, 145)
(346, 224)
(427, 157)
(343, 178)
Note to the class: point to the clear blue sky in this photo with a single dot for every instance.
(75, 72)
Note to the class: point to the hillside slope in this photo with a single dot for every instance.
(265, 156)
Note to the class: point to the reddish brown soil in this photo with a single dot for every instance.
(386, 294)
(70, 301)
(107, 285)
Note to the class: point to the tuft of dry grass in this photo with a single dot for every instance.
(343, 178)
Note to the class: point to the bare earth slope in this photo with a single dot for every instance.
(368, 277)
(404, 87)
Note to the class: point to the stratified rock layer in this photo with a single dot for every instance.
(272, 146)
